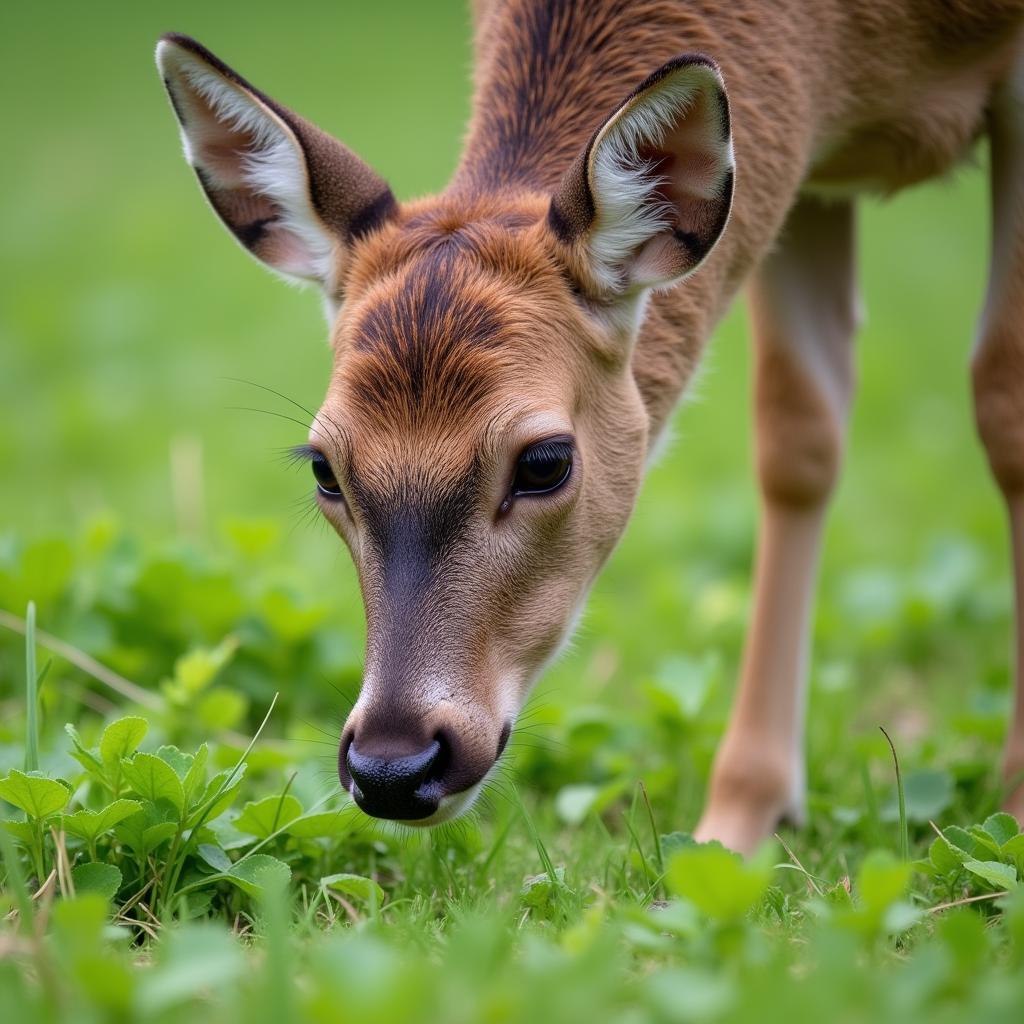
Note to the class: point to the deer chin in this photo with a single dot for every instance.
(451, 807)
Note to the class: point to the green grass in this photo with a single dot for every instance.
(573, 894)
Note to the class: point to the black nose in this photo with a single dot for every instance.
(401, 788)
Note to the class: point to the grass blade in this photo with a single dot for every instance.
(542, 850)
(904, 832)
(655, 835)
(31, 692)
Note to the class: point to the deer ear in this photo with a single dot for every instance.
(648, 198)
(289, 193)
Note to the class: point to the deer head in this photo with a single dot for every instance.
(482, 440)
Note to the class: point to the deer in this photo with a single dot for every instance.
(507, 353)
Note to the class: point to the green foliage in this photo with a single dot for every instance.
(39, 798)
(262, 818)
(90, 825)
(985, 858)
(718, 882)
(154, 780)
(121, 739)
(104, 879)
(881, 884)
(253, 875)
(355, 886)
(998, 876)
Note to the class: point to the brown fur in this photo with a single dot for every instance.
(471, 325)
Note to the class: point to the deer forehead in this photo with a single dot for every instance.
(496, 239)
(449, 325)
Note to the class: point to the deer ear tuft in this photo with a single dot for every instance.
(647, 199)
(288, 192)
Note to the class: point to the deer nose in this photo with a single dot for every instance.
(401, 788)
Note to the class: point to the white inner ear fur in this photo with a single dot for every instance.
(629, 212)
(270, 163)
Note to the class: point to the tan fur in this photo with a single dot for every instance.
(469, 327)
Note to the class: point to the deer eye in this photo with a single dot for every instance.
(326, 482)
(543, 467)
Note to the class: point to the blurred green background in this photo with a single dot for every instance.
(126, 308)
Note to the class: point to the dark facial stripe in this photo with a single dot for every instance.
(426, 341)
(429, 312)
(412, 530)
(412, 525)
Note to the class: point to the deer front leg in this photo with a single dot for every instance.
(804, 307)
(998, 372)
